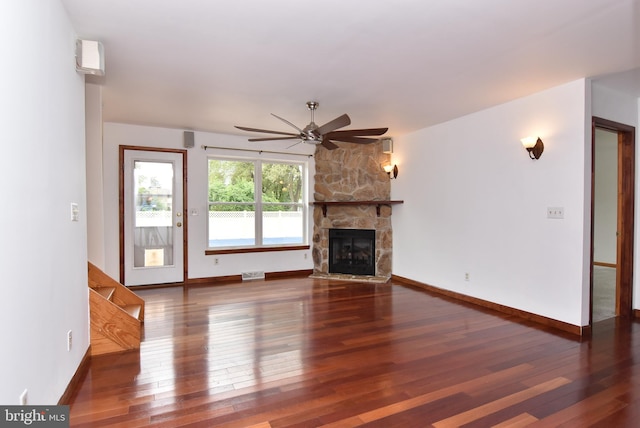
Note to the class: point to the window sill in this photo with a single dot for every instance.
(255, 250)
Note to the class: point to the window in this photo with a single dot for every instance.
(256, 203)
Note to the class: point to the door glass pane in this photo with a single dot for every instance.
(153, 225)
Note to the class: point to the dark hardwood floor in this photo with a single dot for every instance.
(309, 353)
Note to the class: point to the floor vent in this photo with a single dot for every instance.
(247, 276)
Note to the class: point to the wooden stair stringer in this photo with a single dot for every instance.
(116, 314)
(122, 296)
(113, 323)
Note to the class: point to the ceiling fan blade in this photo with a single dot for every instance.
(274, 138)
(266, 131)
(338, 122)
(287, 122)
(328, 144)
(295, 144)
(356, 132)
(357, 140)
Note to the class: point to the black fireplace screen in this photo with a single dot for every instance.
(352, 251)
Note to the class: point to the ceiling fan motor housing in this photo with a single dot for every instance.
(309, 134)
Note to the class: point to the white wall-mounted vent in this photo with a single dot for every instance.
(248, 276)
(387, 145)
(89, 57)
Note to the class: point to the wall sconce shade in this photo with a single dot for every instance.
(391, 170)
(534, 146)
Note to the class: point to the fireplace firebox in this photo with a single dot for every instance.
(352, 251)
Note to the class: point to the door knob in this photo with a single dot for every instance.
(178, 224)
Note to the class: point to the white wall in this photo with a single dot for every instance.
(200, 265)
(95, 199)
(43, 292)
(623, 108)
(613, 105)
(475, 203)
(605, 197)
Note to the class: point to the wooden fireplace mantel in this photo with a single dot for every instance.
(325, 204)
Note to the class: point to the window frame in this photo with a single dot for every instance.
(259, 245)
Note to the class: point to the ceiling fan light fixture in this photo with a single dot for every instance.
(309, 133)
(311, 139)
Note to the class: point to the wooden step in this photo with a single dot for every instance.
(133, 310)
(106, 292)
(116, 314)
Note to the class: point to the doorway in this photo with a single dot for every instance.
(612, 226)
(152, 216)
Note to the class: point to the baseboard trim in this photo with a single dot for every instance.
(78, 376)
(213, 280)
(288, 274)
(230, 279)
(528, 316)
(149, 286)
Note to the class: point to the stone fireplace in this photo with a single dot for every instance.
(348, 181)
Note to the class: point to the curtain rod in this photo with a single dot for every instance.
(256, 151)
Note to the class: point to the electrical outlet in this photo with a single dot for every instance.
(555, 212)
(69, 340)
(305, 255)
(216, 261)
(75, 211)
(23, 398)
(466, 276)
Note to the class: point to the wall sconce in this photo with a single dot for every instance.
(391, 170)
(534, 146)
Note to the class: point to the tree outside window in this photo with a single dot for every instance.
(240, 216)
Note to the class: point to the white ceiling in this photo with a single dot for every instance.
(210, 64)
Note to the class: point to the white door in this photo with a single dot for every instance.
(153, 217)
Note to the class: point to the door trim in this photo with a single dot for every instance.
(625, 222)
(185, 222)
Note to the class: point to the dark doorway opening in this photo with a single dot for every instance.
(625, 214)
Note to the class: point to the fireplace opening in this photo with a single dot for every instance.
(352, 251)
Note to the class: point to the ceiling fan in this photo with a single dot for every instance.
(325, 134)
